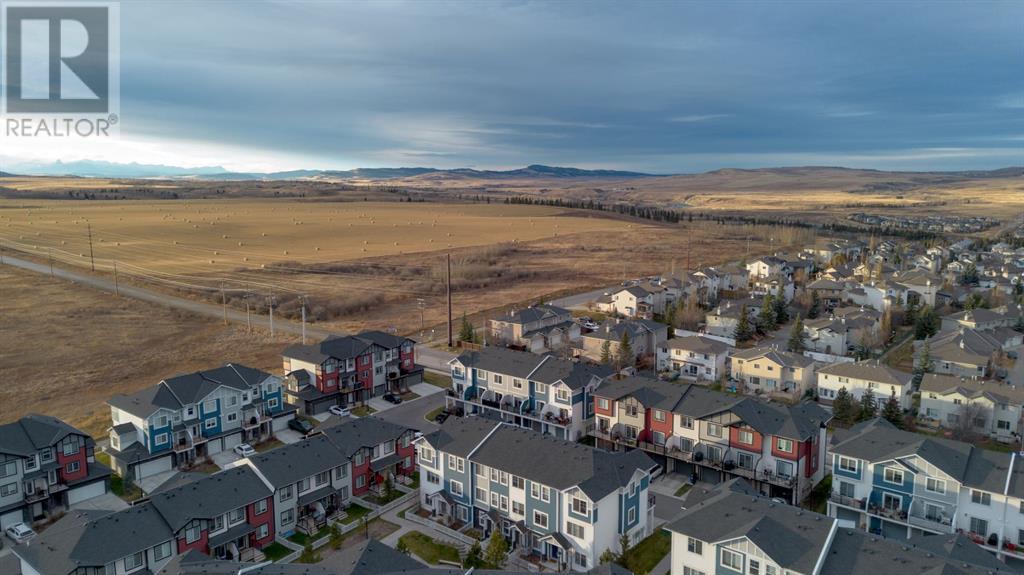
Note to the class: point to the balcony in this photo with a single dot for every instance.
(932, 515)
(846, 501)
(887, 512)
(253, 417)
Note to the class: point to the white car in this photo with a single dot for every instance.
(20, 533)
(341, 411)
(245, 450)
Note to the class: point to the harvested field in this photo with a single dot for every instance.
(66, 349)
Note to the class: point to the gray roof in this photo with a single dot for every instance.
(290, 463)
(364, 432)
(209, 497)
(459, 435)
(33, 432)
(854, 552)
(535, 313)
(543, 368)
(698, 343)
(612, 330)
(996, 391)
(869, 370)
(181, 390)
(343, 347)
(778, 356)
(793, 537)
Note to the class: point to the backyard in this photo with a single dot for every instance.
(428, 549)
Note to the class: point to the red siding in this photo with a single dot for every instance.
(653, 425)
(63, 460)
(361, 471)
(408, 359)
(201, 544)
(794, 456)
(734, 439)
(257, 519)
(610, 412)
(809, 450)
(404, 452)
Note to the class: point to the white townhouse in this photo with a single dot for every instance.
(861, 376)
(694, 358)
(561, 502)
(993, 408)
(898, 484)
(539, 392)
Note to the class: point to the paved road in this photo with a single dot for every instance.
(410, 413)
(580, 300)
(430, 358)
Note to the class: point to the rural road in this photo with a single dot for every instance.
(428, 357)
(580, 300)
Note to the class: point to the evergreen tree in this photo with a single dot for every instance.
(815, 306)
(466, 332)
(868, 407)
(863, 347)
(670, 318)
(607, 557)
(497, 550)
(970, 275)
(910, 313)
(927, 323)
(606, 352)
(796, 337)
(766, 319)
(474, 557)
(625, 355)
(843, 408)
(744, 331)
(779, 307)
(892, 412)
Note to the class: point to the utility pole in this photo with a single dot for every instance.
(224, 302)
(49, 253)
(271, 301)
(117, 290)
(451, 340)
(420, 303)
(248, 318)
(302, 302)
(92, 260)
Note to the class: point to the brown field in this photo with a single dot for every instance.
(66, 349)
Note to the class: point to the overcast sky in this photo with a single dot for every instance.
(659, 87)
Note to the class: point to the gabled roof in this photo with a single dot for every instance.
(995, 391)
(176, 392)
(290, 463)
(535, 313)
(344, 347)
(209, 497)
(698, 343)
(33, 432)
(524, 365)
(781, 357)
(868, 370)
(364, 432)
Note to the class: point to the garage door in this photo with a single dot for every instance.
(153, 467)
(10, 518)
(281, 423)
(232, 440)
(79, 494)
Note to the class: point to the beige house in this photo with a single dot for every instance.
(537, 329)
(861, 376)
(993, 408)
(644, 337)
(722, 320)
(694, 358)
(962, 352)
(770, 371)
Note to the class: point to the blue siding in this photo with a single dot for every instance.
(550, 508)
(278, 395)
(154, 431)
(843, 473)
(722, 570)
(627, 502)
(205, 416)
(465, 478)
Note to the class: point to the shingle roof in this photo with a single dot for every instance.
(535, 313)
(365, 432)
(854, 552)
(543, 368)
(290, 463)
(343, 347)
(215, 495)
(869, 370)
(181, 390)
(994, 390)
(32, 433)
(778, 356)
(697, 343)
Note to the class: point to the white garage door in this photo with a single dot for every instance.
(232, 440)
(10, 518)
(153, 467)
(79, 494)
(281, 423)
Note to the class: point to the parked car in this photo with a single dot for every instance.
(341, 411)
(441, 417)
(590, 325)
(393, 398)
(300, 425)
(20, 533)
(245, 450)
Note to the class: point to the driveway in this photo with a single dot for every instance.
(225, 458)
(106, 502)
(410, 413)
(288, 436)
(151, 483)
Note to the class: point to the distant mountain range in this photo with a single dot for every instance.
(98, 169)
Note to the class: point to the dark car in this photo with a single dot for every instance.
(441, 417)
(300, 425)
(392, 398)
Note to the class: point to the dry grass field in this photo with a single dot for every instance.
(66, 349)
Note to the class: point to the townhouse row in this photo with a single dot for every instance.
(231, 514)
(561, 502)
(46, 467)
(899, 484)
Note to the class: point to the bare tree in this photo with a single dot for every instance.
(965, 427)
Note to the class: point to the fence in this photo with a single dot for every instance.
(721, 338)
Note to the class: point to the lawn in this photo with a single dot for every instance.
(431, 415)
(644, 556)
(410, 395)
(275, 551)
(817, 499)
(355, 513)
(363, 411)
(437, 380)
(129, 492)
(267, 445)
(683, 489)
(429, 550)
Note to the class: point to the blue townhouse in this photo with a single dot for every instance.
(185, 419)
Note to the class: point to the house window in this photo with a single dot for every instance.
(848, 464)
(162, 551)
(745, 460)
(322, 478)
(456, 463)
(1003, 425)
(979, 526)
(433, 478)
(784, 445)
(160, 439)
(498, 380)
(261, 506)
(31, 463)
(360, 458)
(580, 506)
(541, 492)
(518, 508)
(541, 388)
(210, 423)
(981, 498)
(631, 515)
(264, 531)
(232, 417)
(517, 384)
(562, 395)
(8, 490)
(732, 560)
(695, 546)
(287, 516)
(210, 406)
(893, 475)
(714, 453)
(574, 529)
(691, 571)
(47, 454)
(847, 489)
(360, 481)
(935, 485)
(192, 532)
(286, 493)
(133, 562)
(237, 515)
(754, 567)
(659, 415)
(540, 519)
(686, 421)
(714, 430)
(746, 437)
(72, 467)
(603, 403)
(455, 487)
(784, 468)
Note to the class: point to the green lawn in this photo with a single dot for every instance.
(683, 489)
(438, 380)
(645, 555)
(302, 538)
(363, 411)
(275, 551)
(355, 513)
(127, 492)
(415, 480)
(430, 416)
(429, 550)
